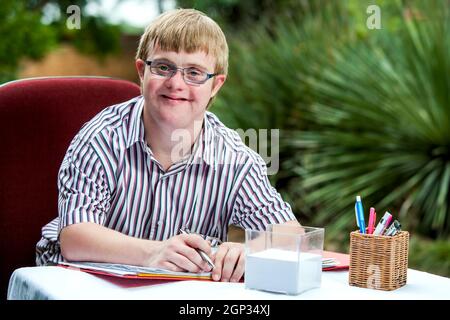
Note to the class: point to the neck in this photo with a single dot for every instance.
(169, 145)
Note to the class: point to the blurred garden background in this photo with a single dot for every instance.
(362, 109)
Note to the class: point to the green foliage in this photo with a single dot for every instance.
(357, 9)
(362, 111)
(382, 128)
(430, 256)
(236, 15)
(96, 36)
(266, 65)
(22, 35)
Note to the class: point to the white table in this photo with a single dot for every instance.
(59, 283)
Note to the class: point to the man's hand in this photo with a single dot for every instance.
(230, 262)
(179, 254)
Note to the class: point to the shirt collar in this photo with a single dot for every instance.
(136, 132)
(208, 152)
(203, 146)
(203, 149)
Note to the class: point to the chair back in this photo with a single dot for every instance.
(39, 118)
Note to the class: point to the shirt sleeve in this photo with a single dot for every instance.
(84, 194)
(257, 203)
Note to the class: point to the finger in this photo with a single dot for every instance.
(195, 257)
(175, 252)
(218, 261)
(171, 266)
(239, 269)
(197, 242)
(229, 264)
(179, 259)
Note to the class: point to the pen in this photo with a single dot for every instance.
(201, 253)
(372, 218)
(360, 215)
(382, 225)
(393, 229)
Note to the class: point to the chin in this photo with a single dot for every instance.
(174, 119)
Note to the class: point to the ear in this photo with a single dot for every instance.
(140, 67)
(219, 80)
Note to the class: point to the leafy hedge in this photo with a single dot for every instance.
(360, 111)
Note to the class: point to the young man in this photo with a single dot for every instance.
(128, 184)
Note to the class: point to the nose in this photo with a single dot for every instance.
(176, 81)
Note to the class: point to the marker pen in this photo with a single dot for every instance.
(382, 225)
(372, 218)
(393, 229)
(360, 215)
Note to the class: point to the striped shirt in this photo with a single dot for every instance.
(110, 177)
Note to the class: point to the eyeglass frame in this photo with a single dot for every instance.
(174, 72)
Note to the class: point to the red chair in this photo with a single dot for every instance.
(39, 117)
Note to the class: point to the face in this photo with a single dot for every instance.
(171, 102)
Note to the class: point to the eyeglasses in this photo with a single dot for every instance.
(191, 75)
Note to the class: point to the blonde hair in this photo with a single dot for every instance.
(186, 30)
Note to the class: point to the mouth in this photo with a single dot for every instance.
(172, 98)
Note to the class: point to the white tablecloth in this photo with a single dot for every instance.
(60, 283)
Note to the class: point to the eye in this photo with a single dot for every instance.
(162, 67)
(194, 73)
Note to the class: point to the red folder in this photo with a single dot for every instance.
(342, 258)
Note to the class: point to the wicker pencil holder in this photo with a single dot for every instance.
(378, 262)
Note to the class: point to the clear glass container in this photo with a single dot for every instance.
(285, 259)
